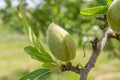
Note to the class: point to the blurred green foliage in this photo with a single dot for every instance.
(65, 13)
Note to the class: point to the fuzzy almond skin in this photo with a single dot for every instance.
(113, 16)
(60, 43)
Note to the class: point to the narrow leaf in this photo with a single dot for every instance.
(35, 54)
(23, 18)
(32, 36)
(100, 10)
(38, 45)
(40, 74)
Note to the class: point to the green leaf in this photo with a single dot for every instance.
(101, 2)
(43, 77)
(100, 10)
(35, 54)
(32, 36)
(23, 18)
(49, 65)
(108, 2)
(40, 74)
(38, 45)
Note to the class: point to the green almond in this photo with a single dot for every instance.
(113, 16)
(60, 43)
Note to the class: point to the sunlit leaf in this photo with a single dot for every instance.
(35, 54)
(23, 19)
(100, 10)
(38, 45)
(48, 65)
(33, 37)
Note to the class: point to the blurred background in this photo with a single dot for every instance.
(14, 62)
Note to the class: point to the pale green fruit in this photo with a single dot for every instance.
(113, 16)
(60, 43)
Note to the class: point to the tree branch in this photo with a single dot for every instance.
(97, 47)
(115, 36)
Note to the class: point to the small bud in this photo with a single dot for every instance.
(60, 43)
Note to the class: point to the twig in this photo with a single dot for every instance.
(97, 46)
(115, 36)
(69, 67)
(104, 19)
(84, 47)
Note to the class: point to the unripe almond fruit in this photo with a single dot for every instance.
(113, 16)
(60, 43)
